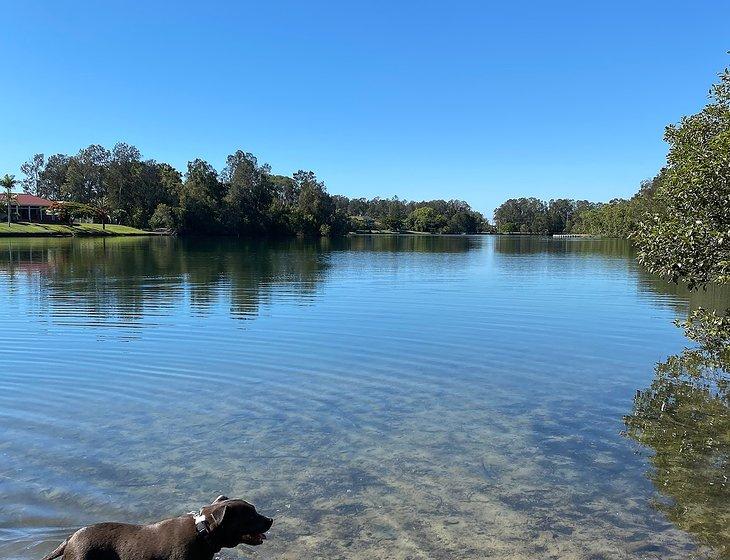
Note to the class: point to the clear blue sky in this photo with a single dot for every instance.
(475, 100)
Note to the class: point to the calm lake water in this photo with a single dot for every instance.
(381, 397)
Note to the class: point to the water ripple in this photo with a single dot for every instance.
(383, 397)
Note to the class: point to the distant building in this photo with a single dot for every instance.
(29, 208)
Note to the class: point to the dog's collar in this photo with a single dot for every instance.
(202, 526)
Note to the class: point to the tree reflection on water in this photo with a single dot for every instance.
(684, 418)
(127, 278)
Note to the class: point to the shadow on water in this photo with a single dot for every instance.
(684, 419)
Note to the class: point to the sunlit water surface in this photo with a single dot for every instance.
(381, 397)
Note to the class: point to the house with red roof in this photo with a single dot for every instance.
(30, 208)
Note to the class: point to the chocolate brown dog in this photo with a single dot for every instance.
(223, 524)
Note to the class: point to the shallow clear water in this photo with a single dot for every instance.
(381, 397)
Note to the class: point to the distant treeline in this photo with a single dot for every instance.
(617, 218)
(244, 198)
(435, 216)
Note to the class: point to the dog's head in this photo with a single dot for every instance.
(237, 522)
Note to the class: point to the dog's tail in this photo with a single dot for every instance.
(58, 552)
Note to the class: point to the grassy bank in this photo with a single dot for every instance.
(24, 229)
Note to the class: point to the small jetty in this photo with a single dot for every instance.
(577, 235)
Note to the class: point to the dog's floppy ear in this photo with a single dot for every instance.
(220, 498)
(219, 515)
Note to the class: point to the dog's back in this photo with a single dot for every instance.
(225, 523)
(112, 541)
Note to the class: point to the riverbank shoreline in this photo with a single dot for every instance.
(24, 229)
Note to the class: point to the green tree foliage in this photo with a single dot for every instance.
(684, 417)
(689, 237)
(535, 216)
(86, 174)
(201, 198)
(245, 198)
(520, 215)
(32, 170)
(394, 214)
(249, 195)
(425, 219)
(163, 218)
(464, 222)
(395, 217)
(315, 212)
(53, 176)
(616, 218)
(67, 212)
(619, 217)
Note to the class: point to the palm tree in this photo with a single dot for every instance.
(101, 211)
(8, 182)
